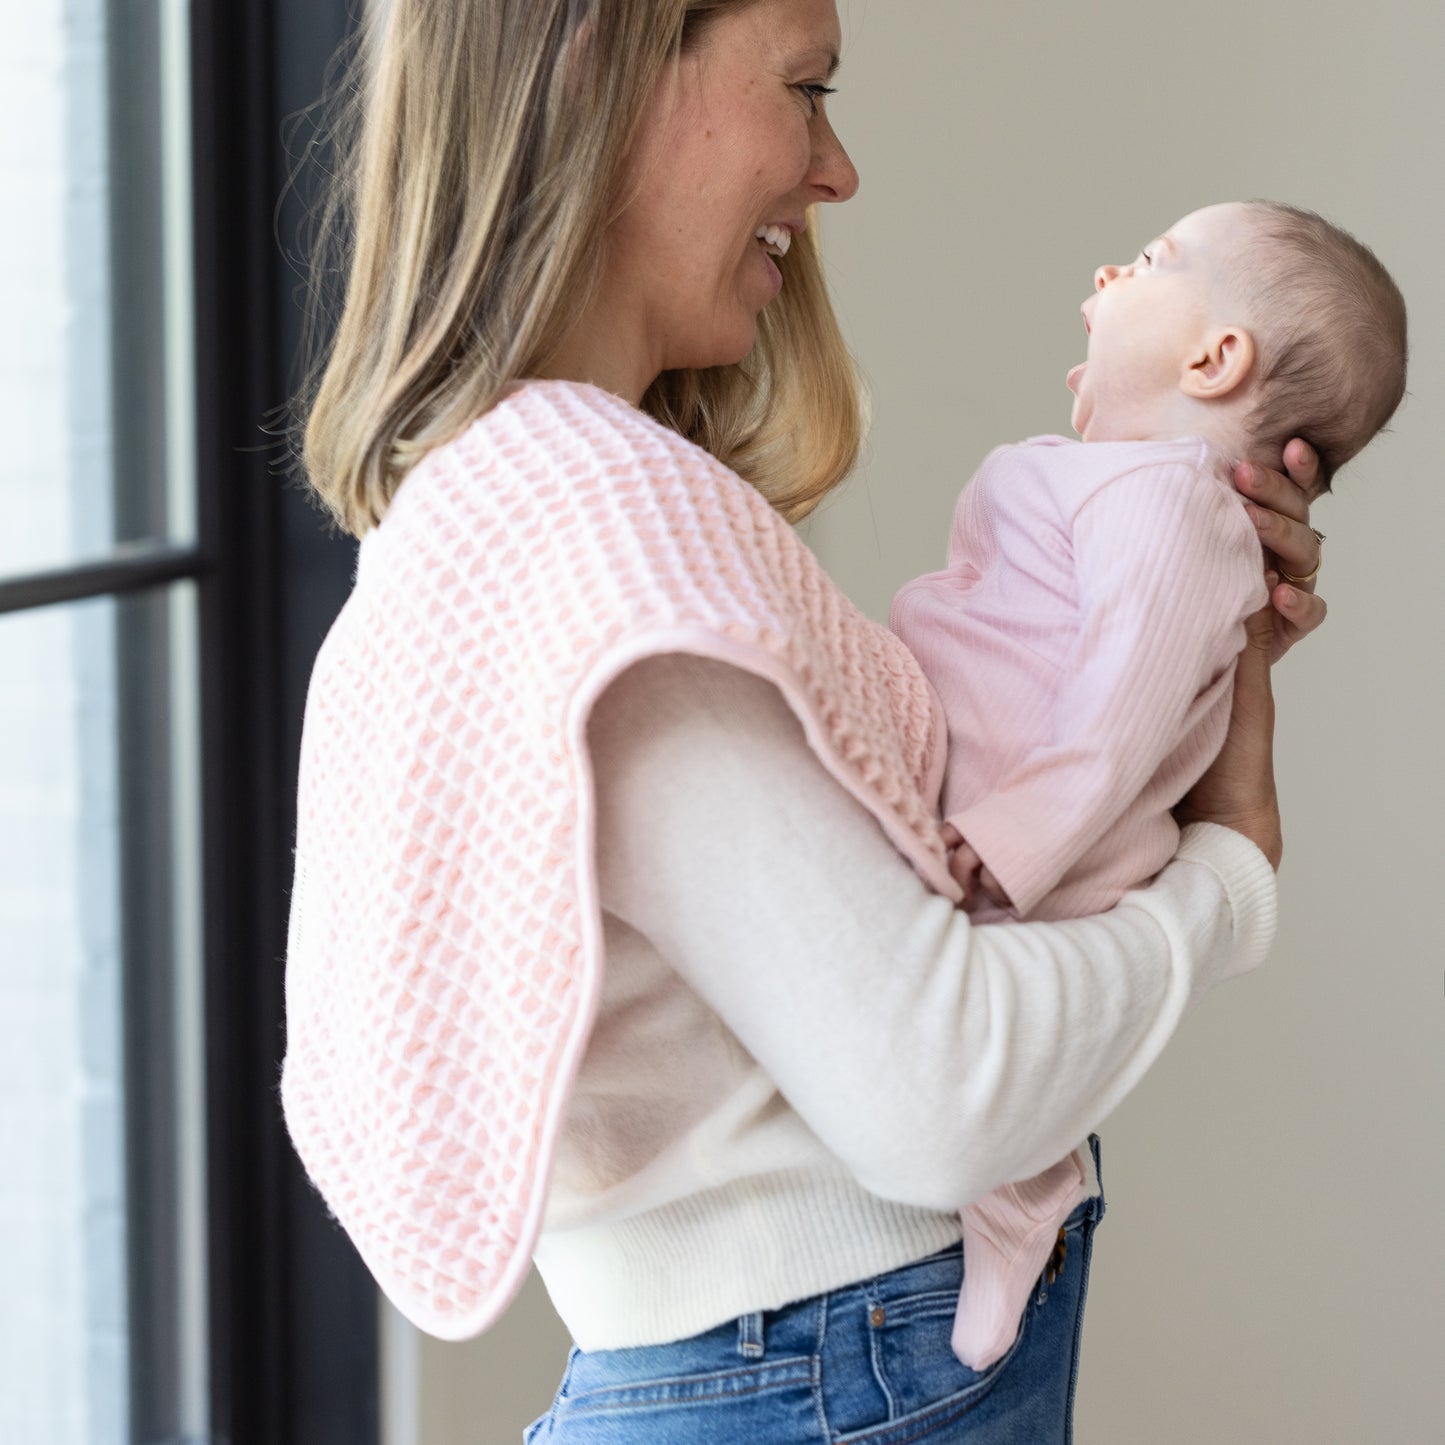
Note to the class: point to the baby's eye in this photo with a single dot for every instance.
(1148, 259)
(815, 93)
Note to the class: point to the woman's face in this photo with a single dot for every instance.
(735, 141)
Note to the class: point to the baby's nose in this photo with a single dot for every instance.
(1104, 275)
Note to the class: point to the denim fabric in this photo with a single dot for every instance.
(870, 1362)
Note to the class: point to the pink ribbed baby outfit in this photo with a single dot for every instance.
(1082, 639)
(446, 944)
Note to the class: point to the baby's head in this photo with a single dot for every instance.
(1248, 323)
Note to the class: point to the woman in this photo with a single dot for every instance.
(592, 700)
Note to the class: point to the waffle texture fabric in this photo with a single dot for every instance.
(445, 945)
(1083, 639)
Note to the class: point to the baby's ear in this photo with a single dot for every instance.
(1222, 364)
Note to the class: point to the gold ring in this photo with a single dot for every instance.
(1311, 575)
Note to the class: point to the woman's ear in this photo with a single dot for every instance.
(1221, 365)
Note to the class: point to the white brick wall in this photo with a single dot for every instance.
(62, 1309)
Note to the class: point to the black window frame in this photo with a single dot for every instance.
(294, 1347)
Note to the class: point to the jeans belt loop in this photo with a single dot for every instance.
(750, 1336)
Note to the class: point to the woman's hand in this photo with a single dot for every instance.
(1280, 509)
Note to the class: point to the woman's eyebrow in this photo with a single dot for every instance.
(830, 57)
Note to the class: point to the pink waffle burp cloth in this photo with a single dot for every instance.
(445, 947)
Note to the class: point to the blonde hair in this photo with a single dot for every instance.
(487, 140)
(1333, 346)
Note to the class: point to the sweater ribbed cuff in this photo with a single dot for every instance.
(1249, 884)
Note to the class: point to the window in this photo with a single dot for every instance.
(102, 1205)
(170, 1275)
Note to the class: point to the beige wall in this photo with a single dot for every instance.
(1273, 1263)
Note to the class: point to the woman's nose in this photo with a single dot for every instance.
(1104, 275)
(833, 175)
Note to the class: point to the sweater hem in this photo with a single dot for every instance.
(756, 1244)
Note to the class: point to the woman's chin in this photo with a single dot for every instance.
(720, 350)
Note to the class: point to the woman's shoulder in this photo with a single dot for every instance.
(575, 429)
(547, 458)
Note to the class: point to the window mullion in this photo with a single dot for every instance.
(131, 568)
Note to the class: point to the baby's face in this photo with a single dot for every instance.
(1146, 320)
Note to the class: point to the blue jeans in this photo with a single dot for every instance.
(869, 1362)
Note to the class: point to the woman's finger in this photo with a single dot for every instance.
(1289, 495)
(1297, 612)
(1279, 507)
(1295, 545)
(1303, 466)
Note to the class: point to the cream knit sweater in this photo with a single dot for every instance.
(803, 1060)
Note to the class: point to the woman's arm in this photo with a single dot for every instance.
(1238, 790)
(934, 1058)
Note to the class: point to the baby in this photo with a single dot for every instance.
(1084, 634)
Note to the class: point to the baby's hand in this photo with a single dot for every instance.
(969, 872)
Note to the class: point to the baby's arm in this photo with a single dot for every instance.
(1167, 567)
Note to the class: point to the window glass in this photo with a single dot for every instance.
(93, 280)
(63, 1356)
(102, 1193)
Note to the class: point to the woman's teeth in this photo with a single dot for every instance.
(775, 239)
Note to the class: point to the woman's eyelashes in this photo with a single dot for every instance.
(814, 93)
